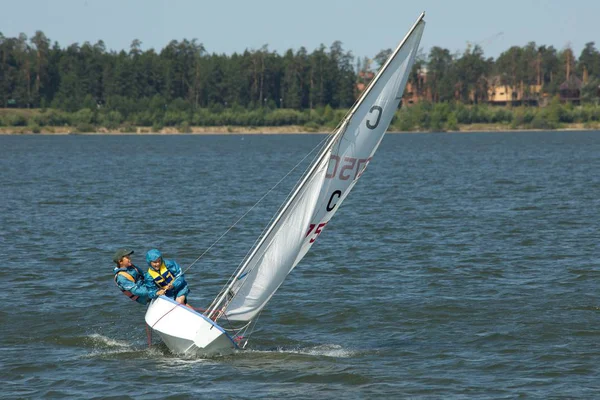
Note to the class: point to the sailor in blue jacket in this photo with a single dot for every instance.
(130, 279)
(166, 275)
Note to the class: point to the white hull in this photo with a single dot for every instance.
(185, 331)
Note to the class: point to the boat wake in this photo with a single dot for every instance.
(103, 341)
(102, 346)
(324, 350)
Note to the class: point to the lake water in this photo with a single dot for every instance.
(461, 266)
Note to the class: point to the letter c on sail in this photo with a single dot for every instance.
(378, 117)
(337, 194)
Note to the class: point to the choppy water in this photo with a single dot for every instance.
(462, 265)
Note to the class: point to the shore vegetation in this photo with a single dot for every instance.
(422, 117)
(86, 88)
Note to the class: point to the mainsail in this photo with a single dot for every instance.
(320, 193)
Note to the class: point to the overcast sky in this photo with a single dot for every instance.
(364, 27)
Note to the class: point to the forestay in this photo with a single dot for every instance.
(321, 192)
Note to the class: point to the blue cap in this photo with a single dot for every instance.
(152, 255)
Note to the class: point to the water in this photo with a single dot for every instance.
(462, 265)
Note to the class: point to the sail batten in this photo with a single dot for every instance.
(320, 193)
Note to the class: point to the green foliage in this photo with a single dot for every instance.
(541, 121)
(423, 116)
(40, 119)
(281, 117)
(452, 122)
(56, 118)
(182, 86)
(311, 126)
(436, 123)
(144, 118)
(463, 115)
(174, 118)
(35, 128)
(403, 121)
(84, 127)
(111, 119)
(176, 83)
(127, 129)
(502, 115)
(83, 116)
(594, 113)
(16, 120)
(522, 117)
(327, 113)
(184, 127)
(157, 127)
(89, 102)
(590, 92)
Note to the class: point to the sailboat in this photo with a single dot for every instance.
(226, 324)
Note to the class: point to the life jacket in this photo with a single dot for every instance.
(128, 276)
(162, 277)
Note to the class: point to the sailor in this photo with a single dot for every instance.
(130, 279)
(166, 275)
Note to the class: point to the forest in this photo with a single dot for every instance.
(86, 86)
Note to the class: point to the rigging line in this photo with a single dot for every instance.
(229, 281)
(234, 330)
(164, 315)
(325, 144)
(247, 328)
(329, 143)
(287, 197)
(255, 205)
(254, 322)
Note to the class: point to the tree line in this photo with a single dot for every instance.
(34, 74)
(467, 77)
(184, 84)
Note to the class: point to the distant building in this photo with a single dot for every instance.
(502, 95)
(416, 91)
(364, 77)
(570, 90)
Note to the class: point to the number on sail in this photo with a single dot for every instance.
(317, 231)
(352, 167)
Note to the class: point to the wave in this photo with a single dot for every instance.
(324, 350)
(103, 346)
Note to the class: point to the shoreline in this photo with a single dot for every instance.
(267, 130)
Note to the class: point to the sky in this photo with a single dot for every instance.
(364, 27)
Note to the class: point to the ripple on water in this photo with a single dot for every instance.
(461, 266)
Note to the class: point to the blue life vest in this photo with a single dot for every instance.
(162, 277)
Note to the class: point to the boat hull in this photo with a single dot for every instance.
(187, 332)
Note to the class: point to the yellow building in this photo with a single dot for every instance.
(499, 94)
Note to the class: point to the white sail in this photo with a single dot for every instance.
(367, 123)
(320, 194)
(277, 255)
